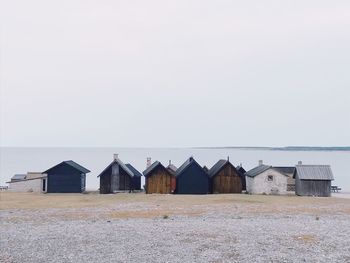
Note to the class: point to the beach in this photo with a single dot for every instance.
(173, 228)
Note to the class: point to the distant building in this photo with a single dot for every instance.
(66, 177)
(117, 177)
(30, 182)
(313, 180)
(224, 178)
(265, 179)
(159, 180)
(191, 178)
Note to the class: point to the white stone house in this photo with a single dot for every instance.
(265, 179)
(30, 182)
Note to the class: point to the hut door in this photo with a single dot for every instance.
(44, 185)
(115, 178)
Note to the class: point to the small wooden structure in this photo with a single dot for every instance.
(265, 179)
(158, 179)
(242, 172)
(192, 179)
(313, 180)
(224, 178)
(66, 177)
(116, 177)
(136, 179)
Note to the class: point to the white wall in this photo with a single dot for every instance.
(34, 185)
(260, 184)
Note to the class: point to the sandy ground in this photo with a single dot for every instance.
(173, 228)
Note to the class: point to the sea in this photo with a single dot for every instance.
(22, 160)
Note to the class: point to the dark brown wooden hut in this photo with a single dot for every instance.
(224, 178)
(158, 179)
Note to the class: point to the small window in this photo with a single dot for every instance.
(270, 178)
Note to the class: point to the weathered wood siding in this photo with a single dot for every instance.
(194, 180)
(227, 181)
(115, 179)
(312, 187)
(159, 182)
(65, 179)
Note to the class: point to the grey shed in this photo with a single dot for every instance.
(313, 180)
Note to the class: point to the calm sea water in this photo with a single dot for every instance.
(22, 160)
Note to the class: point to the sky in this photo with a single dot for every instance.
(179, 73)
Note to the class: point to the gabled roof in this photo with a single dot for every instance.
(186, 164)
(314, 172)
(257, 170)
(73, 165)
(153, 166)
(18, 177)
(218, 166)
(240, 169)
(171, 168)
(121, 164)
(133, 169)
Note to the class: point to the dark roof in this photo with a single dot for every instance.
(133, 169)
(18, 177)
(257, 170)
(152, 167)
(186, 164)
(121, 164)
(314, 172)
(217, 167)
(285, 169)
(72, 164)
(240, 169)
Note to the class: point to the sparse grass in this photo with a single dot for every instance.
(140, 205)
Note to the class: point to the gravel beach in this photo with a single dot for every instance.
(155, 228)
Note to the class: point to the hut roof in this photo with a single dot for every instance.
(314, 172)
(240, 169)
(217, 167)
(285, 169)
(73, 165)
(258, 170)
(18, 177)
(121, 164)
(186, 164)
(133, 169)
(153, 166)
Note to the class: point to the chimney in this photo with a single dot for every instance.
(300, 162)
(115, 156)
(149, 162)
(228, 158)
(169, 162)
(260, 162)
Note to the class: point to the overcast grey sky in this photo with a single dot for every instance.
(174, 73)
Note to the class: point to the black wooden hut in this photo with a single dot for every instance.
(242, 172)
(66, 177)
(136, 180)
(116, 177)
(224, 178)
(313, 180)
(191, 178)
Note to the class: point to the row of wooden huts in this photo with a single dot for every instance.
(189, 178)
